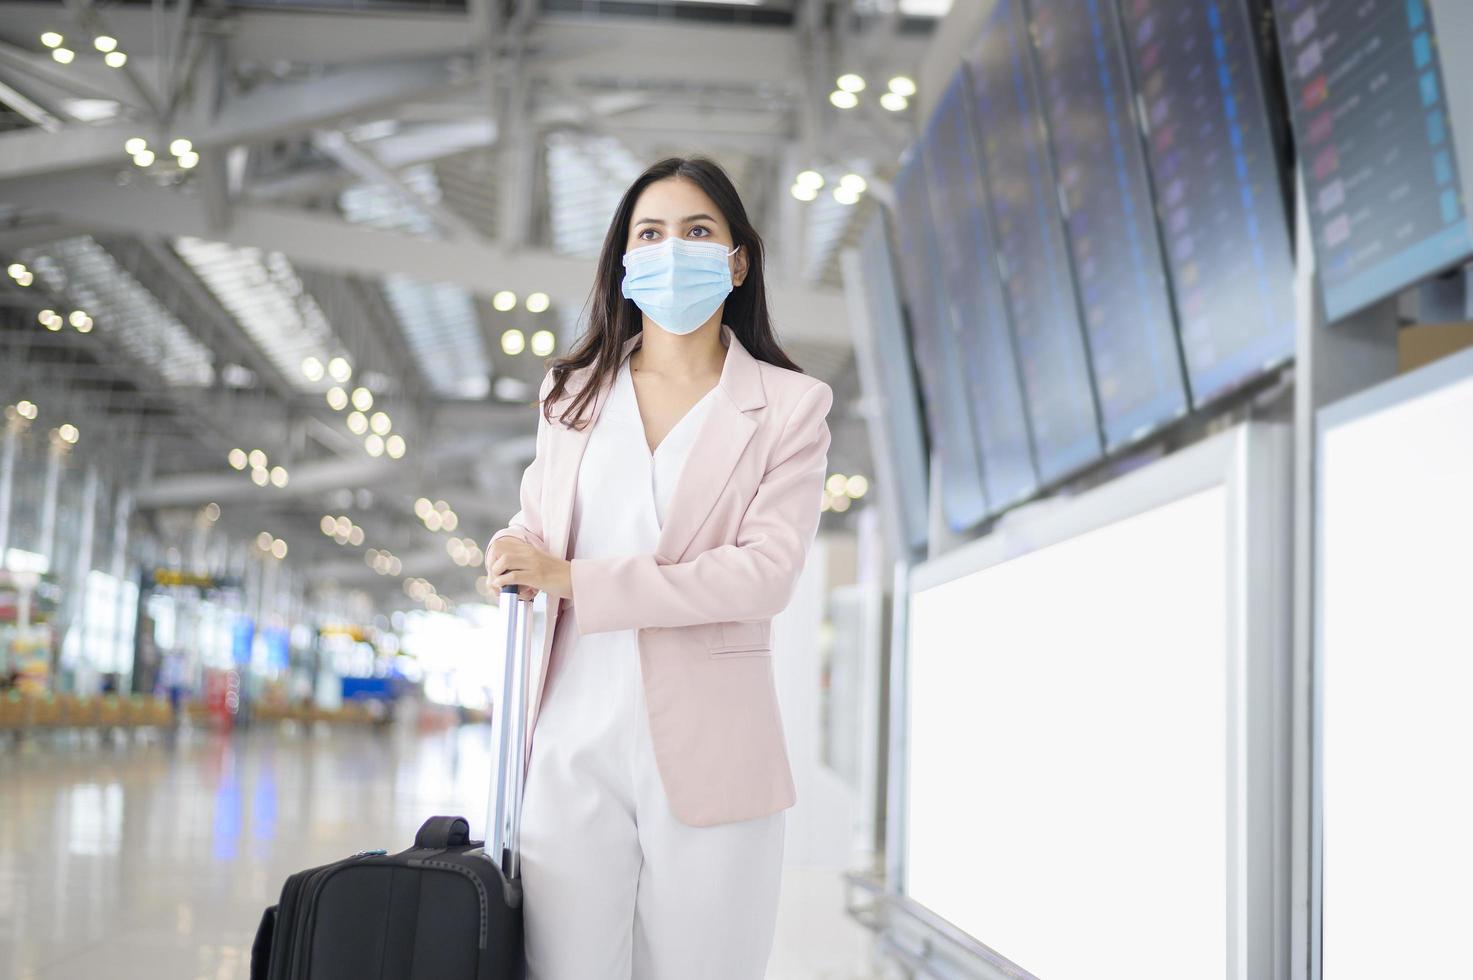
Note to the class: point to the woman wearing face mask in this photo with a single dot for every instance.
(675, 492)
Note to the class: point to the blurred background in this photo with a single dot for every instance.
(1133, 642)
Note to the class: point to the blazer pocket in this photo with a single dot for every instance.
(732, 650)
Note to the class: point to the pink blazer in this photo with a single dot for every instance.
(740, 520)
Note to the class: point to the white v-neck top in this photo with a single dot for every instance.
(623, 490)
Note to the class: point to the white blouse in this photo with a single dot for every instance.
(624, 490)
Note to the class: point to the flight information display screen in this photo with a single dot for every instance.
(1111, 228)
(1034, 261)
(1369, 110)
(968, 266)
(1217, 188)
(944, 388)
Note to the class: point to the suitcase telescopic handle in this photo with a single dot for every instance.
(505, 819)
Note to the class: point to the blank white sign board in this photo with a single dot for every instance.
(1090, 727)
(1395, 679)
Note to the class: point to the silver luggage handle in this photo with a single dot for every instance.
(505, 818)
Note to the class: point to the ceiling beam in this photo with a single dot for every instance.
(263, 113)
(804, 312)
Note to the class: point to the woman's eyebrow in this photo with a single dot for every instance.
(685, 221)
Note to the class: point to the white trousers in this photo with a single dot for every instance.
(615, 887)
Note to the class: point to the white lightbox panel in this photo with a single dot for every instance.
(1092, 736)
(1394, 661)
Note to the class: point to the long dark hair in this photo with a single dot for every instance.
(614, 319)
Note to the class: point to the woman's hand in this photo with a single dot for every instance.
(512, 561)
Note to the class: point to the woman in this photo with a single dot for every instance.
(667, 515)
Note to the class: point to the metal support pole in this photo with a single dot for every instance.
(48, 500)
(7, 482)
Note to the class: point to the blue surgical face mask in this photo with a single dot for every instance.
(678, 283)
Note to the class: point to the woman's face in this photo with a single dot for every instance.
(676, 208)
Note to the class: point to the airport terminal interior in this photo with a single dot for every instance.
(1133, 638)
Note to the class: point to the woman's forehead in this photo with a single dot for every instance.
(675, 200)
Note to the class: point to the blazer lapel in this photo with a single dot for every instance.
(719, 444)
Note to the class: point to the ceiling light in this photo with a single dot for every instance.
(257, 459)
(362, 399)
(840, 504)
(312, 369)
(85, 326)
(543, 341)
(279, 476)
(850, 83)
(15, 270)
(394, 446)
(836, 483)
(212, 512)
(52, 39)
(77, 318)
(804, 192)
(144, 158)
(854, 182)
(512, 342)
(63, 56)
(357, 423)
(180, 146)
(328, 524)
(902, 85)
(260, 477)
(26, 409)
(263, 540)
(893, 101)
(68, 433)
(237, 459)
(278, 548)
(809, 178)
(423, 508)
(843, 99)
(846, 195)
(44, 317)
(433, 520)
(374, 443)
(337, 398)
(115, 59)
(340, 369)
(188, 160)
(355, 536)
(135, 145)
(449, 520)
(395, 566)
(504, 301)
(380, 423)
(25, 278)
(537, 302)
(104, 43)
(856, 486)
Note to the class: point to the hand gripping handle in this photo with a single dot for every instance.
(504, 839)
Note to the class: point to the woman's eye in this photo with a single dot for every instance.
(703, 231)
(643, 231)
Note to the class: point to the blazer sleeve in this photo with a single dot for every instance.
(752, 579)
(527, 522)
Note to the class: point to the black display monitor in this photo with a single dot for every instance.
(1218, 187)
(1111, 229)
(1372, 121)
(1033, 256)
(943, 382)
(968, 267)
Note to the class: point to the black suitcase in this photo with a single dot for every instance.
(448, 908)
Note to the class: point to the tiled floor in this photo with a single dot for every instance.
(136, 859)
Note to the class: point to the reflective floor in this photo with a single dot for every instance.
(154, 858)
